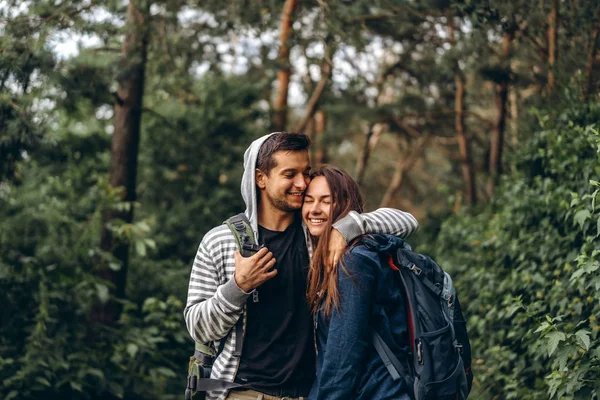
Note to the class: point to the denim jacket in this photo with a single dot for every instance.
(348, 367)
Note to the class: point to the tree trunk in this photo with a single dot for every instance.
(313, 102)
(124, 152)
(463, 143)
(459, 124)
(589, 67)
(284, 70)
(310, 132)
(321, 150)
(371, 138)
(403, 166)
(552, 43)
(497, 139)
(513, 98)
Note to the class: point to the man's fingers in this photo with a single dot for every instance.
(270, 274)
(270, 264)
(259, 254)
(264, 259)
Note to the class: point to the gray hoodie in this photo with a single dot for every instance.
(248, 181)
(215, 302)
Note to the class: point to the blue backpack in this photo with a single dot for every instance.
(439, 363)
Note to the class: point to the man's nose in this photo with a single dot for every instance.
(300, 182)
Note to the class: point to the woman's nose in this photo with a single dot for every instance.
(315, 208)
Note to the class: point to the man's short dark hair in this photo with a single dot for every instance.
(286, 141)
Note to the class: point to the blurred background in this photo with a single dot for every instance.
(122, 131)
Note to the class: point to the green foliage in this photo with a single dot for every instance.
(526, 266)
(49, 247)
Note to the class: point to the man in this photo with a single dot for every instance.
(268, 290)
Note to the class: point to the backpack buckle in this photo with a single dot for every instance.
(416, 270)
(192, 380)
(449, 300)
(459, 348)
(252, 247)
(420, 352)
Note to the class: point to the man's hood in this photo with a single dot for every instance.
(249, 181)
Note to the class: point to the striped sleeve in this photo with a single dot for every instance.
(212, 309)
(382, 220)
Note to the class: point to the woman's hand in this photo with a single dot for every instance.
(336, 249)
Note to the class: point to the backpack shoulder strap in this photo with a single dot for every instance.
(246, 242)
(244, 236)
(391, 362)
(241, 228)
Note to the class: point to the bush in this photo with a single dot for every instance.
(526, 266)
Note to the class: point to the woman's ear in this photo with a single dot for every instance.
(260, 179)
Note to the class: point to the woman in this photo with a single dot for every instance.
(351, 300)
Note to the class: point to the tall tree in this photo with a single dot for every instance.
(321, 154)
(464, 146)
(591, 57)
(403, 167)
(371, 138)
(501, 97)
(124, 152)
(313, 102)
(553, 23)
(284, 69)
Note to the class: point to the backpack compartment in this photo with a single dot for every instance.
(445, 389)
(441, 367)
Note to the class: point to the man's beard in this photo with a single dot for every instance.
(283, 205)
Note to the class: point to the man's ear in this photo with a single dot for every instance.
(260, 179)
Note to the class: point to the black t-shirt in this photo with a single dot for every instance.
(279, 351)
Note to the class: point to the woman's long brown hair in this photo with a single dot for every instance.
(345, 197)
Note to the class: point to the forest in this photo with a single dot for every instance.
(122, 131)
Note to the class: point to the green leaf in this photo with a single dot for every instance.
(96, 372)
(143, 226)
(132, 349)
(581, 216)
(577, 273)
(584, 338)
(12, 395)
(103, 294)
(43, 381)
(554, 338)
(542, 327)
(76, 386)
(140, 248)
(169, 373)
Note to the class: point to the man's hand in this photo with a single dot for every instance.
(337, 247)
(252, 271)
